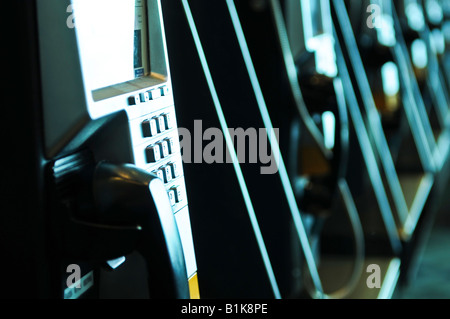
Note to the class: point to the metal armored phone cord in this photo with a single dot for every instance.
(349, 287)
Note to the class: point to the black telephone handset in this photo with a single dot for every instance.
(127, 193)
(323, 172)
(321, 158)
(113, 210)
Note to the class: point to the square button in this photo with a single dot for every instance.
(164, 148)
(144, 97)
(164, 90)
(153, 127)
(149, 128)
(160, 174)
(152, 153)
(167, 120)
(174, 168)
(170, 145)
(134, 100)
(167, 174)
(171, 194)
(154, 94)
(178, 194)
(161, 124)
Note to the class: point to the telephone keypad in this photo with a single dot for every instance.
(154, 134)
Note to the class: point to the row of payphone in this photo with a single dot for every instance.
(358, 91)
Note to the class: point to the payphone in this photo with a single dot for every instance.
(114, 203)
(291, 43)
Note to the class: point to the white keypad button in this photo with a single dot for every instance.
(152, 153)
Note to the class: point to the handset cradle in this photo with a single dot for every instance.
(126, 194)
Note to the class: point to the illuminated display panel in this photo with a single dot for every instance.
(113, 38)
